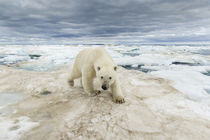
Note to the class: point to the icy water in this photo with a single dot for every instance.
(207, 73)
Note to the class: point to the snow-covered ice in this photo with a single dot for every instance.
(8, 98)
(170, 101)
(13, 129)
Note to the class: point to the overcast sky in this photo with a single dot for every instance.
(103, 21)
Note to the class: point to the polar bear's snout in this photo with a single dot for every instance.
(105, 86)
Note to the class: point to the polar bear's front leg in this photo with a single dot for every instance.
(117, 93)
(74, 75)
(87, 83)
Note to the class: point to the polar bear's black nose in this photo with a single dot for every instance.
(104, 87)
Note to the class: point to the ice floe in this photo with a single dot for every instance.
(171, 101)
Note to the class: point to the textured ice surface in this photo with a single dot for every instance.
(48, 57)
(193, 85)
(183, 61)
(175, 107)
(9, 98)
(14, 129)
(154, 109)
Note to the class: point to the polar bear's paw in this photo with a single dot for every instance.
(71, 83)
(96, 92)
(119, 99)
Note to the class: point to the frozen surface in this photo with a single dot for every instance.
(171, 100)
(14, 129)
(189, 83)
(193, 85)
(8, 98)
(154, 109)
(41, 58)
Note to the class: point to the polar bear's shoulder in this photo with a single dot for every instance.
(102, 52)
(98, 50)
(94, 55)
(94, 50)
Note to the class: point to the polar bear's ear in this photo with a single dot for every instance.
(115, 68)
(98, 68)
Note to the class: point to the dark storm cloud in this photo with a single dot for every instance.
(104, 20)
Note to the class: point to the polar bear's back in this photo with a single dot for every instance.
(89, 56)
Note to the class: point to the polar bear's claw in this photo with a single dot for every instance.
(119, 100)
(97, 92)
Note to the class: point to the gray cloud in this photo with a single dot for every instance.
(68, 21)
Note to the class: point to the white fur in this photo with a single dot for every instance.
(96, 63)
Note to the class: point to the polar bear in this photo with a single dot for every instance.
(93, 63)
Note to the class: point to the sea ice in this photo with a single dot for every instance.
(14, 129)
(172, 101)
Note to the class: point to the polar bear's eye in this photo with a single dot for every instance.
(102, 77)
(98, 68)
(110, 78)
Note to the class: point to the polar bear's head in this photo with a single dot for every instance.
(106, 76)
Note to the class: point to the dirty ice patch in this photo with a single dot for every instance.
(14, 129)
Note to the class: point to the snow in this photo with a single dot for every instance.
(192, 84)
